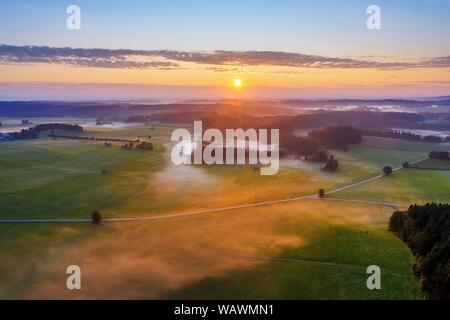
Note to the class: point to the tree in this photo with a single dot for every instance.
(396, 221)
(96, 217)
(405, 164)
(331, 165)
(387, 170)
(321, 193)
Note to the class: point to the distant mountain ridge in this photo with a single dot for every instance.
(120, 109)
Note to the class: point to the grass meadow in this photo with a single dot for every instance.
(307, 249)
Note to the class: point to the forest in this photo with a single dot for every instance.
(426, 230)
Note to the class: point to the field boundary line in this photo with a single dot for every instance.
(297, 260)
(381, 203)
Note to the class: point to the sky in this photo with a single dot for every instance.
(197, 48)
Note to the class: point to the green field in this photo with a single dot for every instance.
(62, 178)
(215, 256)
(299, 250)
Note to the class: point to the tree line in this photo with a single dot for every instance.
(334, 137)
(314, 146)
(426, 230)
(139, 146)
(444, 155)
(33, 132)
(397, 134)
(91, 138)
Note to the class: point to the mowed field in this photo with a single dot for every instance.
(307, 249)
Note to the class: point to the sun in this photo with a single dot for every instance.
(237, 83)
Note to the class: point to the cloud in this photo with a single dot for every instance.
(100, 58)
(170, 59)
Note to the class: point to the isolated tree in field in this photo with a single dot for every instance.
(331, 165)
(96, 217)
(387, 170)
(321, 193)
(406, 164)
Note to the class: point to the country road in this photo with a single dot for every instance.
(216, 210)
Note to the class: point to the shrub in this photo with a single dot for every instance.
(321, 193)
(387, 171)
